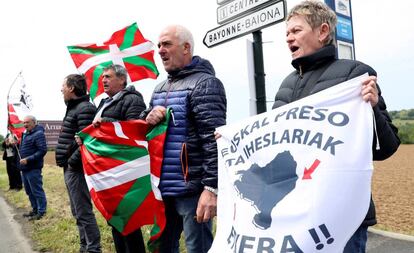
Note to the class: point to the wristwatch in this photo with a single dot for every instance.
(211, 189)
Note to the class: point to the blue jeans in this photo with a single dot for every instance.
(180, 213)
(33, 185)
(358, 241)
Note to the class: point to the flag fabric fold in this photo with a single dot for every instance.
(19, 104)
(122, 163)
(126, 47)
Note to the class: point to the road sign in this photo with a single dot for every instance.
(236, 8)
(255, 21)
(222, 1)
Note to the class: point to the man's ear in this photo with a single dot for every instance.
(324, 32)
(187, 48)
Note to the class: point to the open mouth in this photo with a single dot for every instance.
(293, 48)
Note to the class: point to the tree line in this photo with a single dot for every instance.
(404, 120)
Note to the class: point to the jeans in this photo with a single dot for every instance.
(33, 185)
(81, 207)
(358, 241)
(180, 214)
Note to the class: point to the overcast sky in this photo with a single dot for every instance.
(35, 35)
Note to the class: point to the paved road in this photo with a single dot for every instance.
(380, 242)
(11, 235)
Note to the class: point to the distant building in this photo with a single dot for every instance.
(52, 131)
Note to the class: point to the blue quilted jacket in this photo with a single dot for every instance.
(198, 101)
(33, 148)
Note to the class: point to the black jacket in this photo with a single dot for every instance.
(127, 106)
(79, 114)
(334, 72)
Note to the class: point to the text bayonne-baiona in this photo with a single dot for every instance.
(253, 21)
(285, 136)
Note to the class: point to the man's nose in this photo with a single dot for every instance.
(161, 50)
(289, 38)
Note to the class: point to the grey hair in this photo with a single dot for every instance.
(32, 118)
(119, 70)
(316, 13)
(184, 36)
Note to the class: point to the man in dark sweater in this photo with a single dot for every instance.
(79, 114)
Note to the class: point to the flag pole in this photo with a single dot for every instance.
(11, 86)
(8, 95)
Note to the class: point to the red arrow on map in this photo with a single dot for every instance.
(308, 172)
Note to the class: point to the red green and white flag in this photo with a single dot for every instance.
(126, 47)
(122, 163)
(19, 104)
(15, 124)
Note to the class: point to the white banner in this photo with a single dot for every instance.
(297, 178)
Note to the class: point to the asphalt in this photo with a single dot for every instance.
(12, 239)
(387, 242)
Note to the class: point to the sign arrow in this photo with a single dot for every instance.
(308, 172)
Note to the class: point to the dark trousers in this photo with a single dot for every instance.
(33, 185)
(358, 241)
(132, 243)
(82, 210)
(13, 172)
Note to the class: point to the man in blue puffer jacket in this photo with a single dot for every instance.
(32, 150)
(188, 180)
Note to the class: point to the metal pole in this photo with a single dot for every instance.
(259, 74)
(8, 95)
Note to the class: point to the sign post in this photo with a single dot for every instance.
(344, 31)
(259, 77)
(238, 18)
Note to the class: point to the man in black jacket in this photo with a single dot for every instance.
(79, 114)
(310, 35)
(123, 103)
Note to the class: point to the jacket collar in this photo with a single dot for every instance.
(312, 61)
(197, 64)
(78, 100)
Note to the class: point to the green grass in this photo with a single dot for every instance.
(57, 231)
